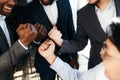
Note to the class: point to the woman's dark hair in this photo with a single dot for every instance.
(113, 33)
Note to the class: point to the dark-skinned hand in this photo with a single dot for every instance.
(27, 33)
(42, 31)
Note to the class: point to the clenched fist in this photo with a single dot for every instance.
(27, 33)
(46, 49)
(42, 31)
(56, 36)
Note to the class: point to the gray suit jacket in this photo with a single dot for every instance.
(8, 60)
(9, 56)
(88, 27)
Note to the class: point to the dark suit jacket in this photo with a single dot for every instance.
(35, 13)
(9, 56)
(88, 27)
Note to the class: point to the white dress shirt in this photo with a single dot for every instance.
(52, 12)
(105, 16)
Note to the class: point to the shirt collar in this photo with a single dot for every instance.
(2, 17)
(43, 4)
(110, 5)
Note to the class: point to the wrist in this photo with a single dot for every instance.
(51, 59)
(59, 42)
(25, 43)
(26, 48)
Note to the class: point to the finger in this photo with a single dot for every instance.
(52, 31)
(51, 44)
(20, 27)
(47, 41)
(33, 28)
(40, 28)
(44, 30)
(41, 48)
(44, 46)
(29, 27)
(36, 24)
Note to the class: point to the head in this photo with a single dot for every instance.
(93, 2)
(6, 6)
(111, 47)
(47, 2)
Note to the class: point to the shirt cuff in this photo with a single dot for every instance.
(26, 48)
(56, 63)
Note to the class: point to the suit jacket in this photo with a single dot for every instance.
(88, 27)
(34, 12)
(9, 56)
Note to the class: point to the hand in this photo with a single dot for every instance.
(46, 49)
(56, 35)
(27, 33)
(42, 31)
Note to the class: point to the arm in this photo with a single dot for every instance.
(68, 73)
(26, 35)
(63, 69)
(80, 41)
(66, 45)
(9, 58)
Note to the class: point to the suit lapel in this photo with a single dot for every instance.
(61, 14)
(95, 21)
(117, 5)
(3, 36)
(42, 16)
(10, 33)
(58, 24)
(91, 24)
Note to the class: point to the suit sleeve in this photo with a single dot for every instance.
(9, 58)
(80, 41)
(70, 30)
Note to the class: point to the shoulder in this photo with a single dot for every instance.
(86, 8)
(63, 1)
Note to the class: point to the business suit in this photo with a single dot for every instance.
(9, 56)
(35, 13)
(89, 27)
